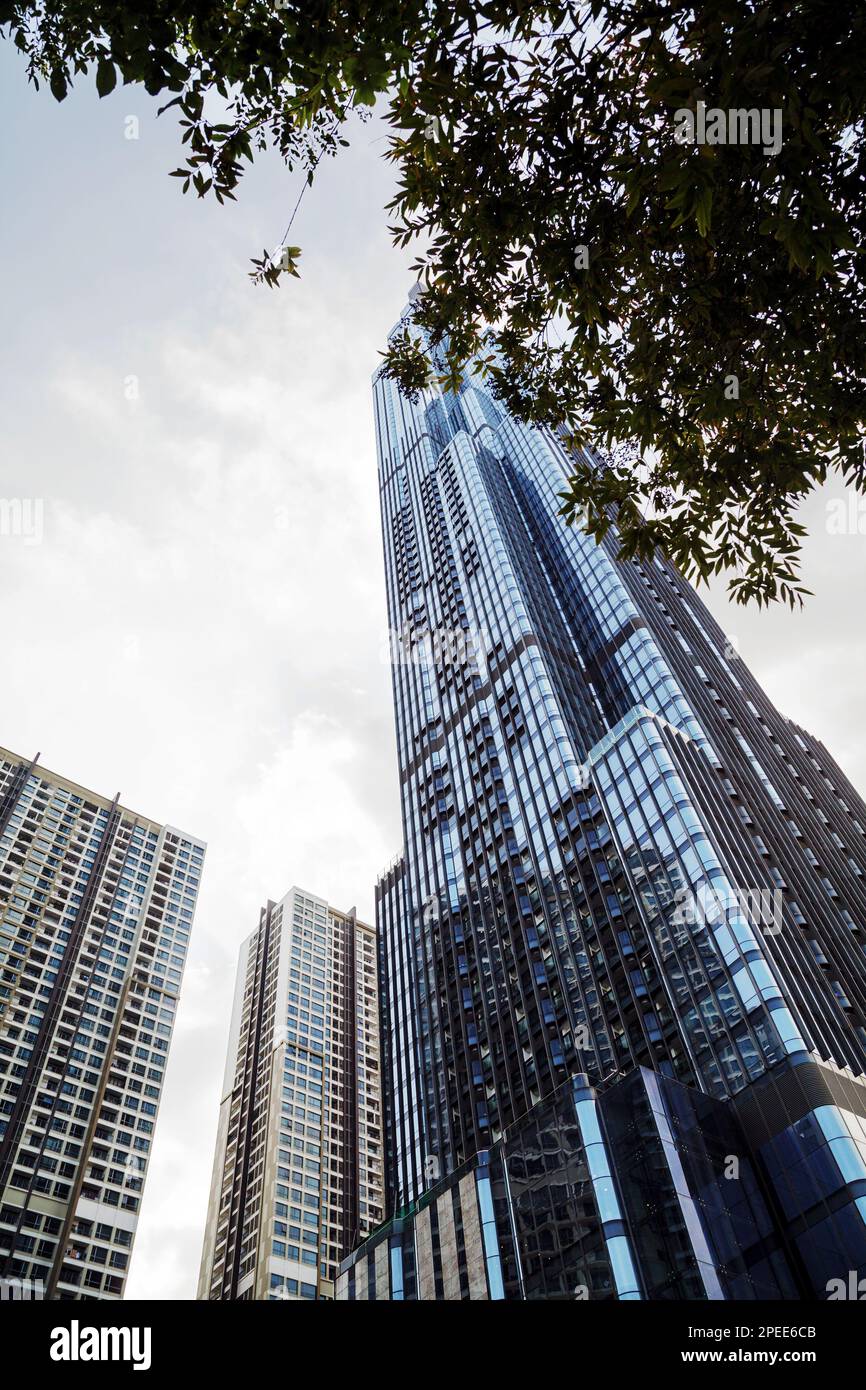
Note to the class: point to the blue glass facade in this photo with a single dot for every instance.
(617, 853)
(643, 1189)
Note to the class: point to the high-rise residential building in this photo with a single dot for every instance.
(96, 908)
(626, 934)
(298, 1169)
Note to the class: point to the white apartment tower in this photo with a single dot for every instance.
(298, 1169)
(96, 908)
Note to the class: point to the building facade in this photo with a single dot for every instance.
(96, 908)
(298, 1169)
(642, 1189)
(617, 853)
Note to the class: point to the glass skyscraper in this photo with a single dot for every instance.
(629, 888)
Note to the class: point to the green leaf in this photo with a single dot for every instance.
(58, 84)
(106, 77)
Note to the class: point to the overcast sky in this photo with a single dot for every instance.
(202, 626)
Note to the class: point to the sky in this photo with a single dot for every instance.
(201, 625)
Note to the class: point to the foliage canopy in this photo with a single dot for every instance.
(698, 303)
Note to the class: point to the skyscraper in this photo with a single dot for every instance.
(297, 1177)
(96, 907)
(621, 864)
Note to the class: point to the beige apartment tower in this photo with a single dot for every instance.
(96, 907)
(298, 1169)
